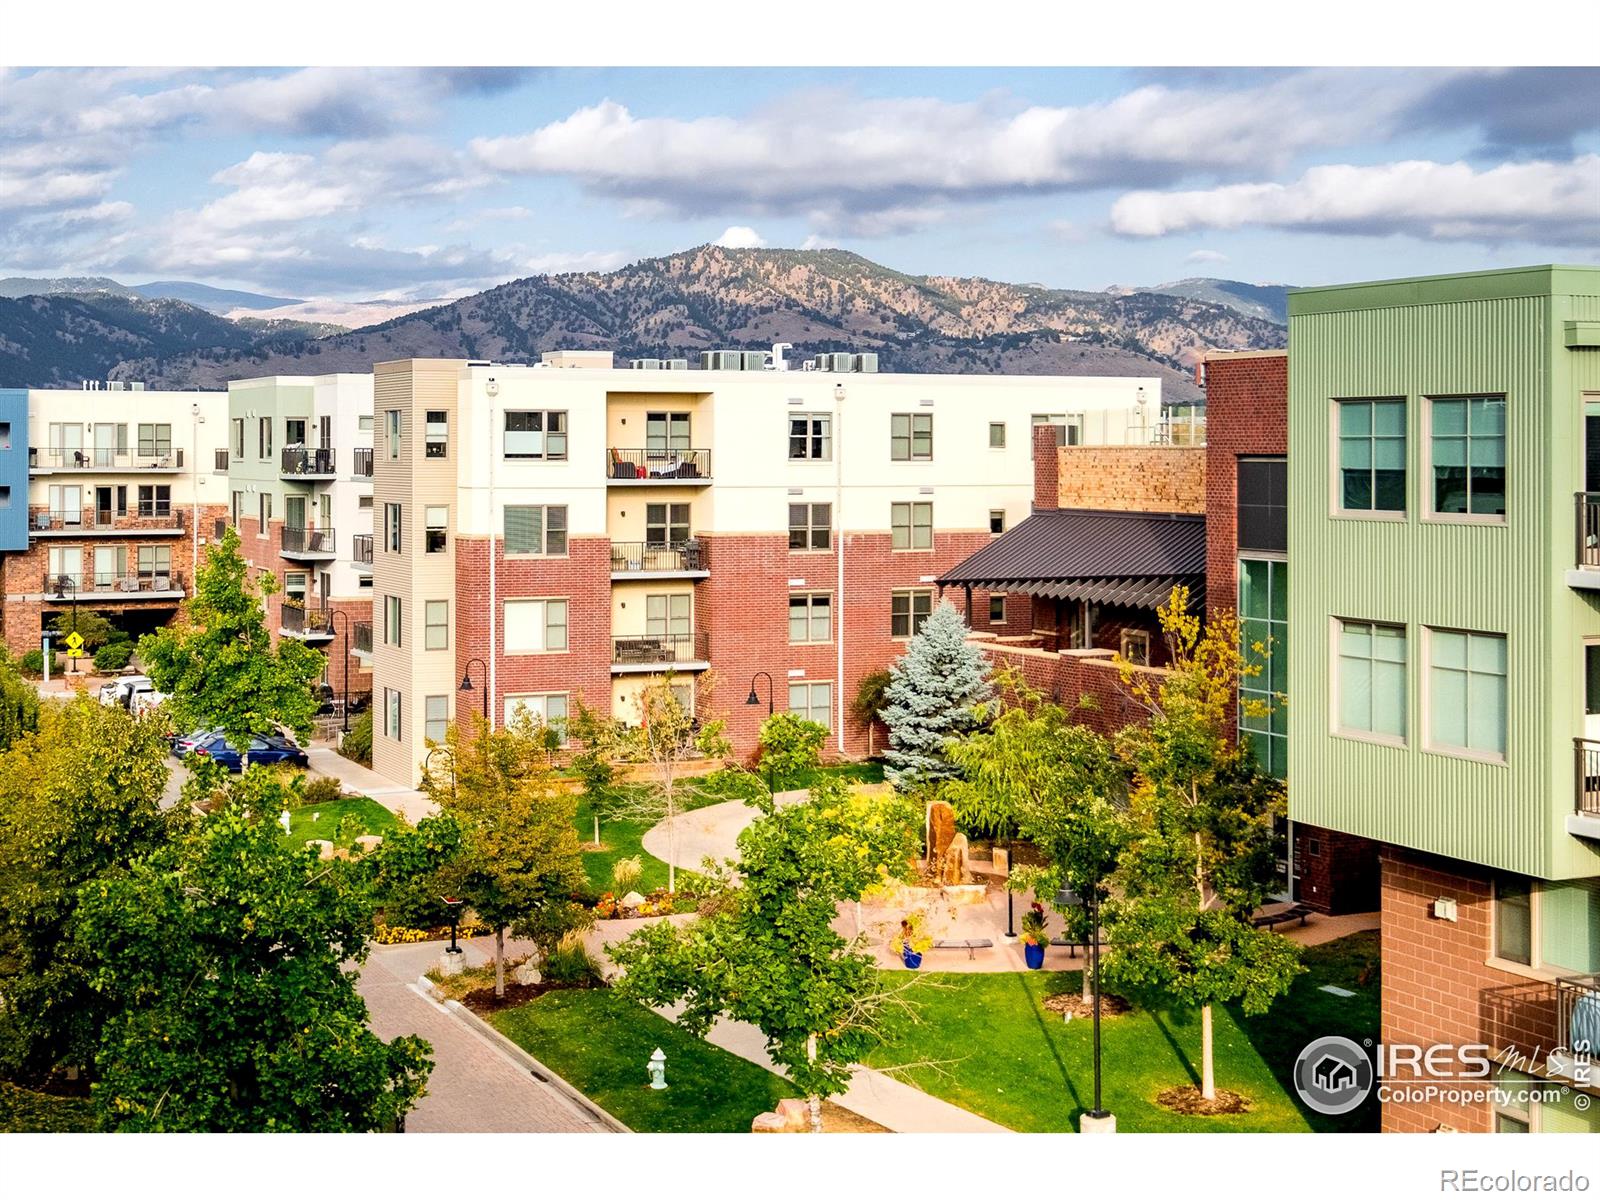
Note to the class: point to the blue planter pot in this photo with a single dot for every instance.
(911, 958)
(1033, 953)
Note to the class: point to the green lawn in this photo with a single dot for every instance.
(374, 818)
(22, 1111)
(600, 1044)
(1024, 1067)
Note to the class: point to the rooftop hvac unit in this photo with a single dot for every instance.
(647, 364)
(721, 360)
(675, 364)
(843, 362)
(136, 387)
(867, 364)
(115, 385)
(755, 360)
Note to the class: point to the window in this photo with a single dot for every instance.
(669, 615)
(294, 431)
(666, 524)
(391, 528)
(1372, 678)
(911, 526)
(155, 441)
(1469, 455)
(435, 717)
(1372, 455)
(110, 565)
(391, 621)
(536, 435)
(264, 437)
(1263, 498)
(535, 626)
(813, 702)
(910, 436)
(1264, 622)
(666, 431)
(294, 586)
(549, 708)
(1513, 920)
(264, 507)
(155, 561)
(997, 521)
(391, 431)
(810, 436)
(391, 713)
(435, 519)
(65, 561)
(1467, 691)
(238, 437)
(1068, 427)
(364, 422)
(997, 610)
(436, 434)
(997, 435)
(436, 625)
(810, 617)
(238, 506)
(364, 502)
(810, 526)
(909, 610)
(536, 529)
(155, 500)
(1135, 646)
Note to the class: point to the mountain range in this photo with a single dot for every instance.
(708, 297)
(221, 301)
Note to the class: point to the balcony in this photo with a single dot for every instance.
(362, 466)
(308, 624)
(361, 550)
(85, 586)
(361, 637)
(308, 545)
(659, 560)
(305, 462)
(1585, 571)
(1547, 1027)
(149, 519)
(652, 652)
(1585, 818)
(691, 468)
(47, 460)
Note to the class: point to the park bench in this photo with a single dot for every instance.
(970, 945)
(1272, 920)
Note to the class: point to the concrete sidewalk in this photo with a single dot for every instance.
(353, 777)
(710, 832)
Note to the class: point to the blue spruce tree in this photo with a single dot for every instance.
(933, 690)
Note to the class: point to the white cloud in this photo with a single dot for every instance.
(740, 237)
(1551, 203)
(1200, 257)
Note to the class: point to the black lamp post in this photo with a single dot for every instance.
(1011, 924)
(1065, 898)
(453, 903)
(341, 613)
(753, 699)
(467, 684)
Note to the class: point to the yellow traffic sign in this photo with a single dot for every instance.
(74, 642)
(76, 653)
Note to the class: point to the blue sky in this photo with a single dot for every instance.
(406, 183)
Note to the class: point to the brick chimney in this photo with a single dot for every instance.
(1046, 468)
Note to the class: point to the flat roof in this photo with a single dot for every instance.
(1549, 279)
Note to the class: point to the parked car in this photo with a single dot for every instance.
(115, 691)
(186, 743)
(265, 751)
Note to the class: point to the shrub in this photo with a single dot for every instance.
(570, 963)
(94, 629)
(357, 744)
(625, 873)
(791, 746)
(33, 662)
(113, 656)
(324, 789)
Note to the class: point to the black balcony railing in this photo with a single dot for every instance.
(664, 649)
(71, 584)
(361, 548)
(363, 461)
(659, 466)
(361, 636)
(308, 541)
(153, 518)
(307, 460)
(688, 555)
(1588, 764)
(306, 620)
(1588, 529)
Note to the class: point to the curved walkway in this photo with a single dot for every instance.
(710, 832)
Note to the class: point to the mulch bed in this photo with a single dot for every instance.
(484, 1001)
(1071, 1003)
(1189, 1102)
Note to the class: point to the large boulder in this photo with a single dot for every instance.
(769, 1123)
(796, 1112)
(527, 973)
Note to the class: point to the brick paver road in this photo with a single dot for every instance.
(474, 1088)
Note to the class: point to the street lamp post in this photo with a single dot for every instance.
(453, 903)
(331, 615)
(753, 699)
(1097, 1119)
(467, 685)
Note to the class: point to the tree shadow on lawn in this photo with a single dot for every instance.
(1038, 1011)
(1184, 1017)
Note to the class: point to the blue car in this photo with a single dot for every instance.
(265, 751)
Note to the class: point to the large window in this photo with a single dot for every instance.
(546, 708)
(1469, 455)
(910, 436)
(436, 625)
(391, 431)
(1263, 519)
(436, 717)
(669, 614)
(391, 620)
(535, 626)
(155, 500)
(810, 617)
(536, 435)
(155, 562)
(665, 431)
(1264, 631)
(436, 434)
(436, 522)
(391, 713)
(810, 526)
(911, 526)
(263, 512)
(1372, 455)
(536, 529)
(294, 431)
(1372, 678)
(1513, 920)
(909, 610)
(813, 702)
(155, 441)
(391, 528)
(810, 436)
(666, 524)
(238, 437)
(1467, 691)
